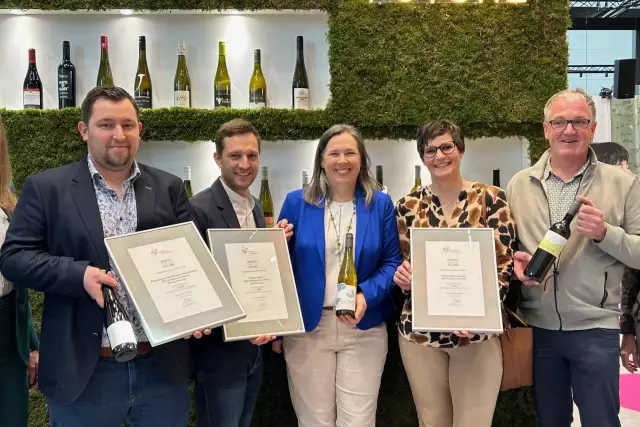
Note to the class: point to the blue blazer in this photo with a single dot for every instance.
(377, 255)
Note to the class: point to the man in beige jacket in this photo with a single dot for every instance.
(574, 311)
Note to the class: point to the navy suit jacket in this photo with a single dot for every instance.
(377, 255)
(54, 234)
(214, 359)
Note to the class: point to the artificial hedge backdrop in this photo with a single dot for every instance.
(490, 67)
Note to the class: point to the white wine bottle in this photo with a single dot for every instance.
(187, 181)
(104, 71)
(222, 82)
(347, 282)
(265, 198)
(182, 81)
(257, 85)
(417, 180)
(305, 179)
(119, 330)
(142, 88)
(300, 84)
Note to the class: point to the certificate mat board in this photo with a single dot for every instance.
(173, 281)
(262, 292)
(464, 290)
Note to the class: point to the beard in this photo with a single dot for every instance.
(117, 161)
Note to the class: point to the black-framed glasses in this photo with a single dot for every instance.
(562, 123)
(446, 148)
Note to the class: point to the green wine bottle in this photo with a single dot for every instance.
(142, 84)
(347, 282)
(257, 85)
(418, 181)
(187, 181)
(265, 198)
(182, 81)
(222, 82)
(300, 84)
(104, 71)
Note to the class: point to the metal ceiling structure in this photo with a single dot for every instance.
(605, 15)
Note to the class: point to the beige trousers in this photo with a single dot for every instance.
(334, 373)
(454, 386)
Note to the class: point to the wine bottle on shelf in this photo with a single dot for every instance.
(66, 79)
(32, 86)
(182, 81)
(496, 177)
(347, 282)
(305, 179)
(104, 71)
(380, 178)
(418, 180)
(551, 245)
(222, 82)
(142, 88)
(119, 330)
(300, 84)
(257, 85)
(265, 198)
(187, 181)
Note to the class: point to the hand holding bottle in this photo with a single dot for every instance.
(361, 307)
(590, 221)
(94, 279)
(402, 276)
(520, 262)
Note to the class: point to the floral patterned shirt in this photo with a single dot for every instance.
(423, 209)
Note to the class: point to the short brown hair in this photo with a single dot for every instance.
(112, 93)
(437, 128)
(233, 128)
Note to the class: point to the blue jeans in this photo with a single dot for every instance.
(584, 364)
(227, 397)
(132, 393)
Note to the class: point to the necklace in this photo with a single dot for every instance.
(336, 228)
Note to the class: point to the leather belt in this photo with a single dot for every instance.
(328, 308)
(143, 348)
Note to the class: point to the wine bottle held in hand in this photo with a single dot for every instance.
(347, 282)
(119, 329)
(551, 245)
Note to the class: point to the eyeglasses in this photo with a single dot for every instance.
(446, 148)
(576, 123)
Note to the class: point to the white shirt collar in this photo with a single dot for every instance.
(243, 206)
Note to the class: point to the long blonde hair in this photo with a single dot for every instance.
(7, 198)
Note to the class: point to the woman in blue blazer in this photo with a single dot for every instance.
(18, 339)
(334, 369)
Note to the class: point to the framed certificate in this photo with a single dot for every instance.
(173, 281)
(455, 280)
(256, 263)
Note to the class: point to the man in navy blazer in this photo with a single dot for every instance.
(55, 245)
(229, 374)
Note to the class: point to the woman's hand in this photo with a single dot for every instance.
(361, 307)
(402, 276)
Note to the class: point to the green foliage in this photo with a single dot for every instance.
(167, 4)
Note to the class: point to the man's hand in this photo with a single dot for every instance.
(276, 346)
(590, 221)
(629, 353)
(262, 339)
(198, 334)
(94, 278)
(402, 276)
(520, 262)
(288, 228)
(32, 369)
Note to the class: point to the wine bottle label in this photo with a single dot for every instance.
(120, 333)
(31, 98)
(346, 297)
(553, 243)
(269, 221)
(256, 105)
(64, 86)
(181, 98)
(143, 101)
(222, 98)
(301, 99)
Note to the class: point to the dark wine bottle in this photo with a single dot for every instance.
(121, 336)
(496, 177)
(551, 245)
(379, 175)
(187, 181)
(32, 86)
(142, 88)
(300, 84)
(66, 79)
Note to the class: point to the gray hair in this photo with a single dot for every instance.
(318, 188)
(569, 94)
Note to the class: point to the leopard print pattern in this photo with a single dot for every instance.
(423, 209)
